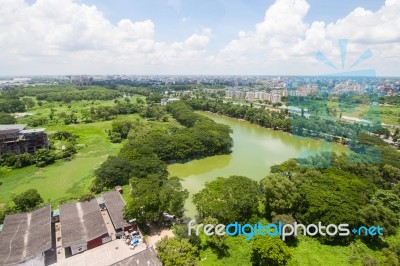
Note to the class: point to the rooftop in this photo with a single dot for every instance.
(146, 257)
(24, 236)
(35, 130)
(81, 222)
(12, 127)
(115, 206)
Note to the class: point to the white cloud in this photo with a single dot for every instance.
(66, 36)
(284, 41)
(364, 26)
(66, 33)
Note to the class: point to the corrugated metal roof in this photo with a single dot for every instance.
(147, 257)
(115, 207)
(24, 236)
(81, 222)
(15, 127)
(34, 130)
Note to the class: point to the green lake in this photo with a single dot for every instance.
(254, 151)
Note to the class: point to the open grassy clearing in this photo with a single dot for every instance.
(308, 252)
(64, 179)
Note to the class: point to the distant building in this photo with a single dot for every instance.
(17, 139)
(82, 226)
(169, 100)
(81, 80)
(250, 96)
(276, 98)
(115, 207)
(229, 94)
(25, 238)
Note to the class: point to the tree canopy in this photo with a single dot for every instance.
(174, 252)
(153, 196)
(269, 251)
(229, 199)
(27, 200)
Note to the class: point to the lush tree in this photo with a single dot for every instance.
(174, 252)
(228, 199)
(172, 196)
(11, 105)
(146, 164)
(7, 119)
(114, 171)
(269, 251)
(154, 98)
(145, 205)
(155, 112)
(152, 196)
(215, 241)
(280, 194)
(17, 160)
(29, 103)
(379, 215)
(181, 231)
(121, 126)
(27, 200)
(391, 174)
(388, 199)
(44, 157)
(115, 137)
(331, 197)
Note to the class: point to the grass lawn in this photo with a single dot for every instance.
(308, 252)
(64, 179)
(390, 115)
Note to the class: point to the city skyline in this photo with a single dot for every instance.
(183, 37)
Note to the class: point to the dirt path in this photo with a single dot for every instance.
(156, 234)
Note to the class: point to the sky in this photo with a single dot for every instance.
(191, 37)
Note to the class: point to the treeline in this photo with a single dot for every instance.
(392, 100)
(79, 95)
(263, 117)
(66, 93)
(10, 105)
(295, 123)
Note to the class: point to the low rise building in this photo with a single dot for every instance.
(26, 237)
(147, 257)
(17, 139)
(115, 207)
(82, 226)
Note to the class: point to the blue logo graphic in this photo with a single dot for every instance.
(337, 107)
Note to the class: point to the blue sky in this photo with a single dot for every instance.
(177, 19)
(194, 37)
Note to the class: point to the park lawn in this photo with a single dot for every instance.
(308, 252)
(390, 115)
(64, 179)
(239, 253)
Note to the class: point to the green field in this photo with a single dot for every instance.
(64, 179)
(308, 252)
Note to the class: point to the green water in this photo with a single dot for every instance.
(254, 151)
